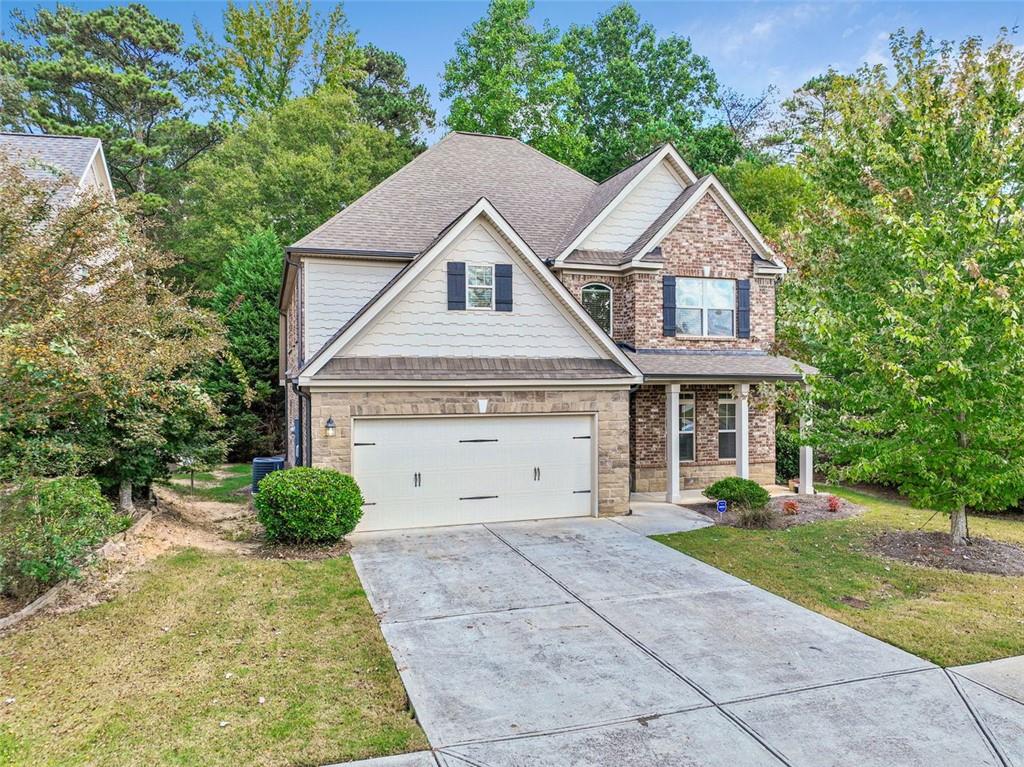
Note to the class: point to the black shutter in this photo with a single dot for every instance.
(668, 304)
(456, 285)
(743, 308)
(503, 287)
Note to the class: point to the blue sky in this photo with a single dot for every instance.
(751, 45)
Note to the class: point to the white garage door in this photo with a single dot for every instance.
(422, 472)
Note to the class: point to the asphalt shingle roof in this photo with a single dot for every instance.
(469, 368)
(44, 157)
(538, 196)
(739, 365)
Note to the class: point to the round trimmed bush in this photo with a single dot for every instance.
(741, 492)
(308, 505)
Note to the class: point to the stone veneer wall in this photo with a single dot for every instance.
(611, 406)
(648, 439)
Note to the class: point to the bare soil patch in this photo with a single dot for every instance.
(179, 521)
(810, 508)
(933, 549)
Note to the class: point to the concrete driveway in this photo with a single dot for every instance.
(576, 643)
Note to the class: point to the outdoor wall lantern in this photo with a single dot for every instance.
(329, 426)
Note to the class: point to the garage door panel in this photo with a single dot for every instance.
(421, 472)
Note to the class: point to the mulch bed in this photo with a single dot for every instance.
(811, 508)
(310, 552)
(933, 549)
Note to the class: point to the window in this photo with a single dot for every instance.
(705, 307)
(597, 301)
(726, 426)
(686, 423)
(479, 287)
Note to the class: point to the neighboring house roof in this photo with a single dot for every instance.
(469, 368)
(45, 157)
(752, 364)
(538, 196)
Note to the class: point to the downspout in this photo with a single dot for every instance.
(305, 417)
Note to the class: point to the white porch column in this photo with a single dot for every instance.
(742, 394)
(806, 462)
(671, 442)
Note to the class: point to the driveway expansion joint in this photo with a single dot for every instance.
(986, 733)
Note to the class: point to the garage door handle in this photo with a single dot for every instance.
(536, 473)
(417, 479)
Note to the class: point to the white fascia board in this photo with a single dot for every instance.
(711, 185)
(668, 151)
(484, 208)
(97, 154)
(342, 384)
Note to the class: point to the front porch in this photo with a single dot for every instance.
(699, 418)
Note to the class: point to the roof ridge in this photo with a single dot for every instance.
(531, 148)
(48, 135)
(372, 191)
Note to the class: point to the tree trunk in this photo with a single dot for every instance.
(125, 504)
(958, 527)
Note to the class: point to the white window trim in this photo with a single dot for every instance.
(611, 302)
(691, 398)
(705, 309)
(492, 287)
(728, 400)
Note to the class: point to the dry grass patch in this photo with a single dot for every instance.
(172, 671)
(948, 617)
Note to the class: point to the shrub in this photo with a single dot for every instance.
(744, 493)
(787, 455)
(49, 530)
(790, 508)
(308, 505)
(758, 517)
(834, 503)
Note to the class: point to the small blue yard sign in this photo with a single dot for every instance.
(722, 506)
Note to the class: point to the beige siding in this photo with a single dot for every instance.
(420, 324)
(335, 290)
(635, 213)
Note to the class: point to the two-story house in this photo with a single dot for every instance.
(489, 335)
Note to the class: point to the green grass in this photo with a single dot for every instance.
(948, 617)
(196, 640)
(222, 486)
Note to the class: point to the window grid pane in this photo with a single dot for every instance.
(482, 276)
(687, 413)
(705, 307)
(597, 301)
(480, 298)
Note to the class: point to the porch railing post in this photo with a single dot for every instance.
(742, 394)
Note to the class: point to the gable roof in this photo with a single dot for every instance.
(538, 196)
(45, 157)
(485, 210)
(615, 189)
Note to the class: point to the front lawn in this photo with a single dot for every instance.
(172, 671)
(948, 617)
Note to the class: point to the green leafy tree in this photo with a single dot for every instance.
(804, 115)
(771, 194)
(275, 50)
(387, 99)
(509, 78)
(120, 74)
(99, 358)
(635, 91)
(288, 171)
(910, 295)
(245, 379)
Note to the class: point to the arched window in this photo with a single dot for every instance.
(597, 300)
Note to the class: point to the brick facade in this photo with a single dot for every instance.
(705, 238)
(611, 407)
(648, 438)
